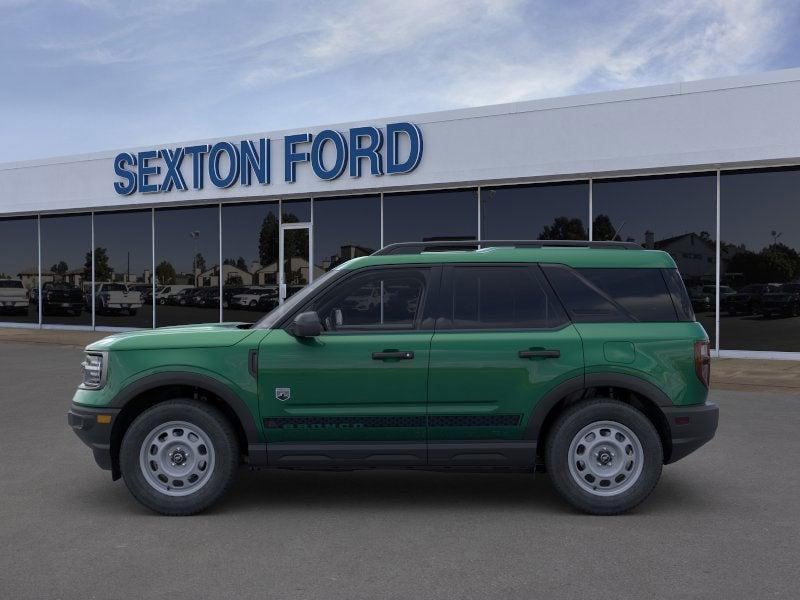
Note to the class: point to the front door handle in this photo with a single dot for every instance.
(539, 353)
(393, 354)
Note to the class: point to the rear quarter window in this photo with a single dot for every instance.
(611, 295)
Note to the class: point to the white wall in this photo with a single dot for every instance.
(725, 122)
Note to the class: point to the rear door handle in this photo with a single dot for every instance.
(396, 354)
(539, 353)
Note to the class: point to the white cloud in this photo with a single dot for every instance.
(199, 68)
(673, 41)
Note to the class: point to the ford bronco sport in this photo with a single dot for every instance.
(580, 359)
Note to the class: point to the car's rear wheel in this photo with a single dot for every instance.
(179, 457)
(604, 456)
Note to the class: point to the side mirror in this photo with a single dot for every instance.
(306, 325)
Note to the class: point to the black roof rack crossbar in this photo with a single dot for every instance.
(444, 246)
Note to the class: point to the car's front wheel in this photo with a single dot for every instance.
(604, 456)
(179, 457)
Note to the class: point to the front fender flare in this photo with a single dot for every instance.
(215, 386)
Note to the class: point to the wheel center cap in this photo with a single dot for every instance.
(604, 457)
(178, 457)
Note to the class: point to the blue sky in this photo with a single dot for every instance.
(89, 75)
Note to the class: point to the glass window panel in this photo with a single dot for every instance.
(66, 269)
(296, 211)
(760, 252)
(584, 301)
(19, 270)
(187, 269)
(123, 266)
(557, 211)
(430, 216)
(502, 298)
(345, 228)
(385, 299)
(677, 214)
(643, 293)
(295, 260)
(250, 260)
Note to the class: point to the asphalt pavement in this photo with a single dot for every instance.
(722, 523)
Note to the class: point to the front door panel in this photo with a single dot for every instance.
(327, 400)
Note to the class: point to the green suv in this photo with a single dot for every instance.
(583, 359)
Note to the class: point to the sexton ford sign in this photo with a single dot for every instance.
(225, 164)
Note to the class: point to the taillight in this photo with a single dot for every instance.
(702, 361)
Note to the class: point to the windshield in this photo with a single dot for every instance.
(10, 283)
(791, 288)
(291, 303)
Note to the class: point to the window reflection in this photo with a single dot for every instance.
(19, 272)
(66, 269)
(187, 265)
(296, 211)
(430, 216)
(676, 214)
(250, 260)
(123, 269)
(535, 212)
(345, 228)
(760, 260)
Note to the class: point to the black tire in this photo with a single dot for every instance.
(557, 451)
(222, 438)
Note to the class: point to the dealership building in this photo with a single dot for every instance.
(223, 229)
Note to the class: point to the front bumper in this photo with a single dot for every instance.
(690, 427)
(93, 432)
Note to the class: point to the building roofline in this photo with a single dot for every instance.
(546, 104)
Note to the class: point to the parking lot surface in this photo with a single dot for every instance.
(723, 523)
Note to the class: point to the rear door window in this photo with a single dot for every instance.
(500, 297)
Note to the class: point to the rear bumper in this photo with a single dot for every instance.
(690, 427)
(97, 436)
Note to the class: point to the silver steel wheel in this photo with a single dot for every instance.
(605, 458)
(177, 458)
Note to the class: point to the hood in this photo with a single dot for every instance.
(207, 335)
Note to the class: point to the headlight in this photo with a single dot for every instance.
(94, 370)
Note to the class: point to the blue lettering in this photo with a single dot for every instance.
(213, 164)
(291, 157)
(254, 162)
(371, 151)
(197, 153)
(393, 132)
(122, 159)
(173, 176)
(317, 149)
(146, 170)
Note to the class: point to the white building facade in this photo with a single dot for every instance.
(708, 171)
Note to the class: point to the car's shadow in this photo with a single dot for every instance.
(397, 490)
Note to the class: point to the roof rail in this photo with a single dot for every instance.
(444, 246)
